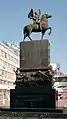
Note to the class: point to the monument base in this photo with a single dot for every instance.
(32, 97)
(33, 91)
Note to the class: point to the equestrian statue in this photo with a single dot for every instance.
(40, 24)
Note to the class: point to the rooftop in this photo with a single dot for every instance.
(13, 47)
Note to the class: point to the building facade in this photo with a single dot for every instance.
(9, 62)
(61, 86)
(55, 66)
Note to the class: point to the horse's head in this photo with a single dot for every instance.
(45, 16)
(44, 21)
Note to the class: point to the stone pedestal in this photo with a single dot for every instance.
(34, 54)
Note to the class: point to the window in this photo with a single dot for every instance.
(0, 72)
(0, 81)
(8, 56)
(0, 52)
(4, 64)
(4, 73)
(3, 54)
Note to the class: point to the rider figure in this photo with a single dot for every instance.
(35, 16)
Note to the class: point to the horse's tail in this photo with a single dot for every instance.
(24, 29)
(24, 32)
(27, 30)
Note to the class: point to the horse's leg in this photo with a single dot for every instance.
(49, 28)
(24, 36)
(42, 35)
(29, 37)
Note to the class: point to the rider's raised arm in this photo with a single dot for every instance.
(39, 12)
(30, 14)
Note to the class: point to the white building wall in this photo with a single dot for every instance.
(9, 62)
(55, 66)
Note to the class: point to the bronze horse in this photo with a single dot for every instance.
(40, 27)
